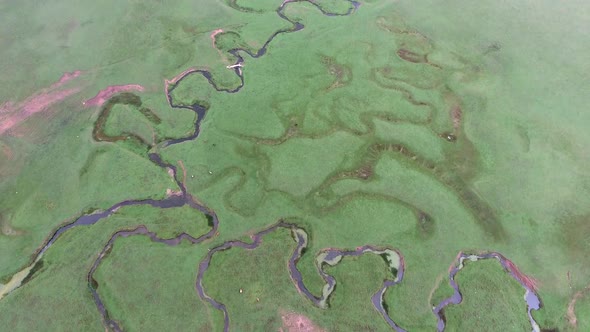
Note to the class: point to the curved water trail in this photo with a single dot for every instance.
(185, 198)
(204, 265)
(140, 230)
(530, 296)
(332, 257)
(329, 256)
(170, 202)
(237, 66)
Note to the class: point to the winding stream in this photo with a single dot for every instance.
(329, 256)
(174, 200)
(140, 230)
(531, 298)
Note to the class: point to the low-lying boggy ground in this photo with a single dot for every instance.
(375, 123)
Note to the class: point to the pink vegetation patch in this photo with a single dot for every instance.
(215, 33)
(456, 115)
(293, 322)
(44, 100)
(66, 77)
(12, 114)
(529, 282)
(107, 93)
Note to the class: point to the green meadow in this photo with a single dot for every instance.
(491, 297)
(427, 127)
(59, 291)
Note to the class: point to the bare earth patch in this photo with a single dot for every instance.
(293, 322)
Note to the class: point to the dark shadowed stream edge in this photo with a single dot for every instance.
(329, 256)
(531, 298)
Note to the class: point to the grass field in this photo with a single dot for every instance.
(582, 312)
(492, 300)
(157, 281)
(426, 127)
(60, 290)
(264, 283)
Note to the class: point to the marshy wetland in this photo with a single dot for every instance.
(321, 165)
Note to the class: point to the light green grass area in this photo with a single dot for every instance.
(297, 166)
(167, 223)
(58, 294)
(71, 175)
(531, 134)
(195, 89)
(492, 300)
(582, 311)
(153, 121)
(358, 279)
(139, 43)
(268, 292)
(264, 279)
(149, 287)
(443, 291)
(428, 127)
(125, 119)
